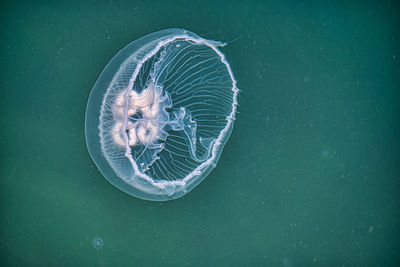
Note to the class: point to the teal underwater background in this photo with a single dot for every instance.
(309, 177)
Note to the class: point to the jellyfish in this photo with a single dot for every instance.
(160, 114)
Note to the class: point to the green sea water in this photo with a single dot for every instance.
(309, 177)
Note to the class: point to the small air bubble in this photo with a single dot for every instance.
(98, 243)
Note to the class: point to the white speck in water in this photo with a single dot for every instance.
(370, 229)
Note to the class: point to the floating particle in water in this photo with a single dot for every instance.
(98, 243)
(370, 229)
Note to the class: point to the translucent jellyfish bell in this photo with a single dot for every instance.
(160, 114)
